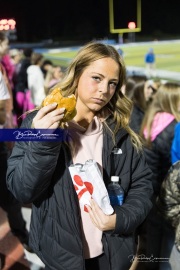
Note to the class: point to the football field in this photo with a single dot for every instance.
(167, 54)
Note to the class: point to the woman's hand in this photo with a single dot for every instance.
(48, 117)
(101, 220)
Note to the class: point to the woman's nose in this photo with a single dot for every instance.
(103, 88)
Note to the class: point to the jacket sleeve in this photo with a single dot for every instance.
(168, 200)
(137, 202)
(158, 156)
(175, 154)
(31, 166)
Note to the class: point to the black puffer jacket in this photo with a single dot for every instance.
(159, 155)
(136, 118)
(38, 173)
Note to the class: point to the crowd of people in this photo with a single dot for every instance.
(30, 77)
(7, 201)
(22, 88)
(137, 115)
(155, 116)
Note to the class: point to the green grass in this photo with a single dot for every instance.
(167, 55)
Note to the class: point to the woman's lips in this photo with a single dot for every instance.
(98, 100)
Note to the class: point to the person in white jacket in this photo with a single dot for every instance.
(36, 79)
(4, 95)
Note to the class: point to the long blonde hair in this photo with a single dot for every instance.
(167, 99)
(119, 105)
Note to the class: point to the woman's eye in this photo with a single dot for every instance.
(96, 78)
(113, 84)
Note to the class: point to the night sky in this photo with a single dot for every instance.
(88, 19)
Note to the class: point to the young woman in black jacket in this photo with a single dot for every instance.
(62, 234)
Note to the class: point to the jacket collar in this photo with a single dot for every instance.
(109, 145)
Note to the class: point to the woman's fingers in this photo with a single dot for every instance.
(101, 220)
(48, 117)
(95, 213)
(52, 118)
(44, 110)
(55, 125)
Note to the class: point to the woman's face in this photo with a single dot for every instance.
(148, 91)
(57, 73)
(4, 47)
(97, 85)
